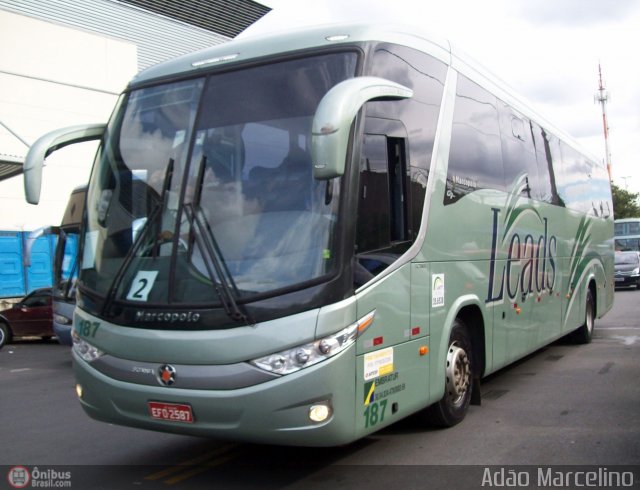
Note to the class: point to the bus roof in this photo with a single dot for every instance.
(265, 45)
(297, 40)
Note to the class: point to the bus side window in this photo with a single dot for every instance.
(576, 176)
(518, 153)
(547, 190)
(419, 115)
(475, 158)
(382, 224)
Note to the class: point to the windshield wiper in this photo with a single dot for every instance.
(166, 185)
(135, 246)
(151, 222)
(225, 286)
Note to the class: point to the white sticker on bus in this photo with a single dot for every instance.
(437, 290)
(142, 285)
(378, 363)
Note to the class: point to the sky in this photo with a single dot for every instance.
(546, 50)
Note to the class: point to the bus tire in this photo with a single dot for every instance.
(5, 334)
(584, 334)
(459, 374)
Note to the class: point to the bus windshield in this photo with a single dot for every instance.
(203, 193)
(65, 264)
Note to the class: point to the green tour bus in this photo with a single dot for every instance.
(302, 238)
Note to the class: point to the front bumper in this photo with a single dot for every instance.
(274, 412)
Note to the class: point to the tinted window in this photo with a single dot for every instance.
(556, 162)
(382, 229)
(38, 299)
(547, 189)
(475, 158)
(419, 114)
(602, 205)
(575, 185)
(374, 214)
(518, 153)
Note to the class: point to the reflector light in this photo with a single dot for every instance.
(337, 37)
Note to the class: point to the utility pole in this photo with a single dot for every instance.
(603, 97)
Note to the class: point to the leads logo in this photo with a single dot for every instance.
(531, 259)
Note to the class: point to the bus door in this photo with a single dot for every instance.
(391, 376)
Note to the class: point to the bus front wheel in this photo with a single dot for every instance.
(459, 374)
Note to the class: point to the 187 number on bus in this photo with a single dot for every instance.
(374, 413)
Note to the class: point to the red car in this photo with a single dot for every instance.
(31, 316)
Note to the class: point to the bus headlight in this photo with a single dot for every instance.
(292, 360)
(84, 349)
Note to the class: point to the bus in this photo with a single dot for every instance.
(627, 234)
(65, 266)
(302, 238)
(64, 263)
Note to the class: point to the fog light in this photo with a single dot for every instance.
(320, 412)
(79, 390)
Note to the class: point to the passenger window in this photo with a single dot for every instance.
(382, 224)
(518, 154)
(576, 185)
(475, 157)
(547, 190)
(374, 203)
(419, 115)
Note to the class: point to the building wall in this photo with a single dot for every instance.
(53, 76)
(64, 62)
(157, 37)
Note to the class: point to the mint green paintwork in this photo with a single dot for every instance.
(416, 300)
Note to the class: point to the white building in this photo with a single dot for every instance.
(65, 62)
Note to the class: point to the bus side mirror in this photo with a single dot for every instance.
(45, 146)
(335, 114)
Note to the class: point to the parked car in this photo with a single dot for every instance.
(627, 267)
(31, 316)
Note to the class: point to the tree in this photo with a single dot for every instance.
(625, 203)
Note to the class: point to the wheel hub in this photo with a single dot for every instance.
(458, 373)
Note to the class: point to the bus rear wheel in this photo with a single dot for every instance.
(584, 334)
(459, 374)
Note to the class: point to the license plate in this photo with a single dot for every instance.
(172, 412)
(619, 279)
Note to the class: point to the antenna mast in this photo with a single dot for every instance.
(603, 97)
